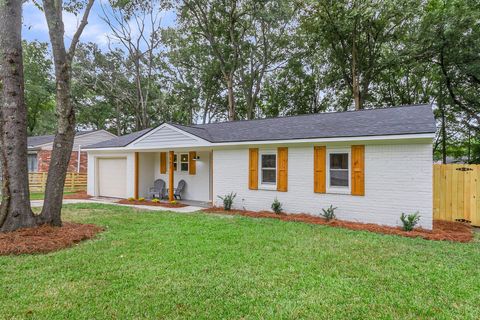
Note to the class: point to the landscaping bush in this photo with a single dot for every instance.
(228, 200)
(409, 221)
(277, 206)
(131, 199)
(155, 200)
(141, 199)
(329, 213)
(173, 202)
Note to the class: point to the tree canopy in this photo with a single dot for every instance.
(236, 59)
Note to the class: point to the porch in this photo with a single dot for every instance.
(172, 166)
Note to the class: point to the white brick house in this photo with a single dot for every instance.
(372, 164)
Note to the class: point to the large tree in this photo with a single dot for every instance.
(104, 94)
(220, 24)
(195, 82)
(354, 36)
(135, 26)
(65, 112)
(15, 211)
(39, 88)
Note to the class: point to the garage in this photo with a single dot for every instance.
(112, 177)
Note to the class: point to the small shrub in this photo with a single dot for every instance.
(277, 206)
(409, 220)
(329, 213)
(141, 199)
(228, 200)
(131, 199)
(173, 202)
(155, 200)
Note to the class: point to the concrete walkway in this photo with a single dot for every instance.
(187, 209)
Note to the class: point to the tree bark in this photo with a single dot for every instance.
(15, 211)
(231, 98)
(441, 106)
(63, 142)
(355, 81)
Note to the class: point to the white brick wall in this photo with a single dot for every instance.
(398, 178)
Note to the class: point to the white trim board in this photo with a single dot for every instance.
(203, 143)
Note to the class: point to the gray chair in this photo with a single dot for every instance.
(179, 190)
(158, 190)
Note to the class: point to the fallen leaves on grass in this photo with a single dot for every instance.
(442, 230)
(46, 238)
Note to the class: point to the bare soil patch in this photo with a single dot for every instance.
(77, 195)
(442, 230)
(153, 204)
(46, 238)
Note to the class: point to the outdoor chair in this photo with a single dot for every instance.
(158, 190)
(179, 190)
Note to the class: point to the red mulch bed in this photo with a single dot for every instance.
(442, 230)
(46, 238)
(77, 195)
(153, 204)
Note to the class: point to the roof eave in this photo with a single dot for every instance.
(412, 136)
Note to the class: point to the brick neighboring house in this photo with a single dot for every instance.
(40, 150)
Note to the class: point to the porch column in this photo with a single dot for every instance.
(170, 176)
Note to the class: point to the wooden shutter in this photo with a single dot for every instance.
(319, 169)
(358, 170)
(163, 162)
(192, 163)
(282, 170)
(253, 169)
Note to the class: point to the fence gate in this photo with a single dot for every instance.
(456, 192)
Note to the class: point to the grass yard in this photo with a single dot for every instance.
(41, 195)
(166, 265)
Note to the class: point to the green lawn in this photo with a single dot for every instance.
(41, 195)
(166, 265)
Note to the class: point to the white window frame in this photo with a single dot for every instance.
(337, 189)
(180, 162)
(175, 162)
(267, 186)
(35, 168)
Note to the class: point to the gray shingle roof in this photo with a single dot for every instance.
(373, 122)
(121, 141)
(36, 141)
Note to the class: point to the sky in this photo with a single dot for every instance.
(35, 25)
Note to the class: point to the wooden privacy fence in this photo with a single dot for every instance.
(456, 192)
(73, 182)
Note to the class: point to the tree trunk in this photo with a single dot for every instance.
(63, 142)
(441, 106)
(249, 103)
(118, 116)
(15, 211)
(355, 82)
(62, 147)
(231, 98)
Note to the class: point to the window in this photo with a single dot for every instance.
(268, 169)
(32, 162)
(175, 162)
(338, 169)
(184, 162)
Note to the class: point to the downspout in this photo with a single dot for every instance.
(78, 158)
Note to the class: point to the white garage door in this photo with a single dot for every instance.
(112, 177)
